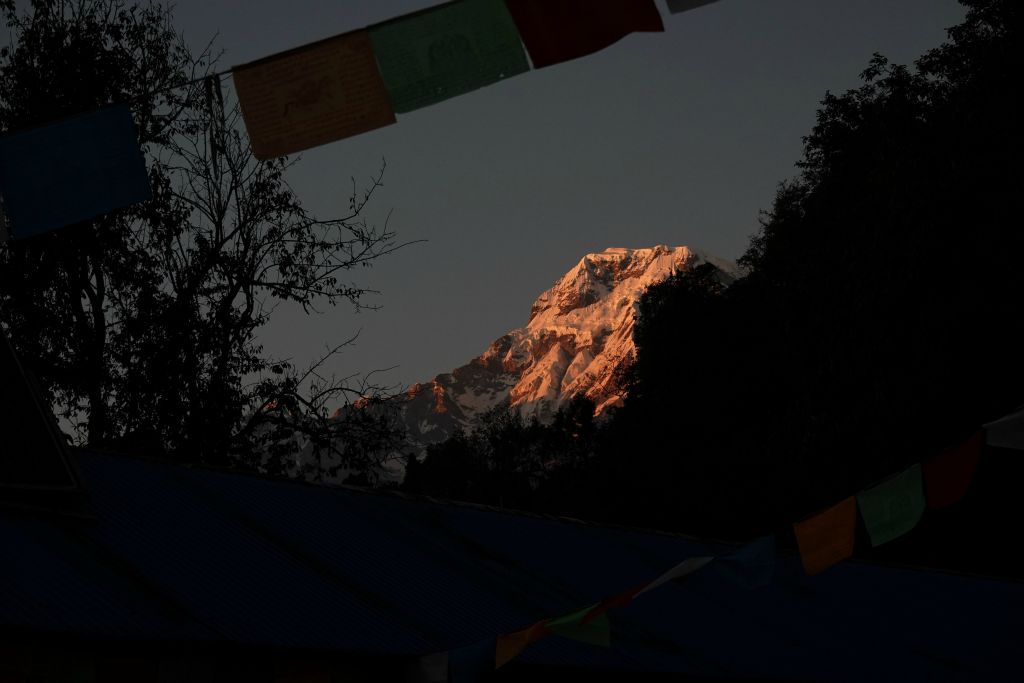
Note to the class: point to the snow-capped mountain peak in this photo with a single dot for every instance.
(577, 339)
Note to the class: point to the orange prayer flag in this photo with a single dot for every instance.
(948, 476)
(827, 538)
(511, 645)
(312, 95)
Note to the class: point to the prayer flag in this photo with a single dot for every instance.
(1007, 432)
(827, 538)
(948, 475)
(469, 664)
(677, 6)
(623, 598)
(751, 566)
(893, 507)
(681, 570)
(510, 645)
(312, 95)
(70, 171)
(596, 631)
(448, 50)
(559, 30)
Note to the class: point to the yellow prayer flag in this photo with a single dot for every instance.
(312, 95)
(827, 538)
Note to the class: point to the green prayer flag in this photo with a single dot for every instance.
(596, 631)
(448, 50)
(894, 507)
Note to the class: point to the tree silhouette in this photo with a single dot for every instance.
(876, 324)
(141, 325)
(509, 460)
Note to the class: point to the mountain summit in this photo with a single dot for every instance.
(579, 336)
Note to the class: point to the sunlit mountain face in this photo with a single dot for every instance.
(577, 339)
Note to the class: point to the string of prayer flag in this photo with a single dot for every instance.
(316, 94)
(893, 507)
(590, 624)
(947, 477)
(448, 50)
(827, 538)
(70, 171)
(556, 31)
(596, 631)
(889, 510)
(313, 95)
(677, 6)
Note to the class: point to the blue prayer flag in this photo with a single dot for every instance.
(70, 171)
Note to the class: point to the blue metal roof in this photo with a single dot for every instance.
(185, 554)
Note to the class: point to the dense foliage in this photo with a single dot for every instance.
(510, 461)
(880, 318)
(141, 326)
(878, 323)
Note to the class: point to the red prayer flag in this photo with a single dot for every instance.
(948, 476)
(559, 30)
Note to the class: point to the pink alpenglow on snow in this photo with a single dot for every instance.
(580, 333)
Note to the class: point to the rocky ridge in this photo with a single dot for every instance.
(578, 338)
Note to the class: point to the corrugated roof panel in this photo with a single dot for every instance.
(55, 578)
(243, 581)
(180, 553)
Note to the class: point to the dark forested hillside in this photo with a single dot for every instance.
(879, 323)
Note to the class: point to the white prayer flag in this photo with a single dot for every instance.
(1007, 432)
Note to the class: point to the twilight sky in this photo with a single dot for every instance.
(677, 138)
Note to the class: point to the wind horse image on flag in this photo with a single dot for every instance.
(448, 50)
(312, 95)
(69, 171)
